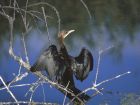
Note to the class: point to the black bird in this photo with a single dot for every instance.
(60, 66)
(80, 66)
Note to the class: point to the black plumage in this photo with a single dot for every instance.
(82, 64)
(50, 61)
(61, 66)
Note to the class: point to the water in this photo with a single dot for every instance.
(109, 27)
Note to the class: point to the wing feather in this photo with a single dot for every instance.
(41, 62)
(84, 64)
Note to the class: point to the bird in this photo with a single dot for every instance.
(80, 66)
(61, 66)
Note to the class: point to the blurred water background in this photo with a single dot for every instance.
(110, 23)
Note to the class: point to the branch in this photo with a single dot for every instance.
(27, 102)
(84, 4)
(53, 8)
(48, 34)
(110, 79)
(65, 94)
(99, 60)
(8, 90)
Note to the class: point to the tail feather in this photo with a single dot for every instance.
(68, 78)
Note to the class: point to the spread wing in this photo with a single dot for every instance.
(83, 64)
(41, 62)
(51, 62)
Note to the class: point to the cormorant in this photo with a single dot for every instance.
(61, 66)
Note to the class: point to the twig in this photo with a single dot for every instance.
(97, 72)
(19, 70)
(48, 34)
(20, 85)
(33, 86)
(18, 77)
(66, 93)
(110, 79)
(25, 49)
(97, 92)
(14, 5)
(99, 60)
(51, 6)
(84, 4)
(33, 91)
(29, 12)
(25, 16)
(12, 95)
(27, 102)
(43, 90)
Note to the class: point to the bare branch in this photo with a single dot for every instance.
(20, 85)
(33, 91)
(30, 12)
(65, 94)
(110, 79)
(84, 4)
(43, 90)
(98, 64)
(51, 6)
(48, 34)
(18, 77)
(33, 88)
(25, 16)
(12, 95)
(27, 102)
(25, 49)
(97, 72)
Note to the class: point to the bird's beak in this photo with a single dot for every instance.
(67, 33)
(63, 34)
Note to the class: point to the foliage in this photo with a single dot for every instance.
(130, 99)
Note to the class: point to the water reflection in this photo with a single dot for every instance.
(114, 23)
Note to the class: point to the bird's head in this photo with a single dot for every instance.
(63, 34)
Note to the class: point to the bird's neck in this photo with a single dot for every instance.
(61, 48)
(60, 44)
